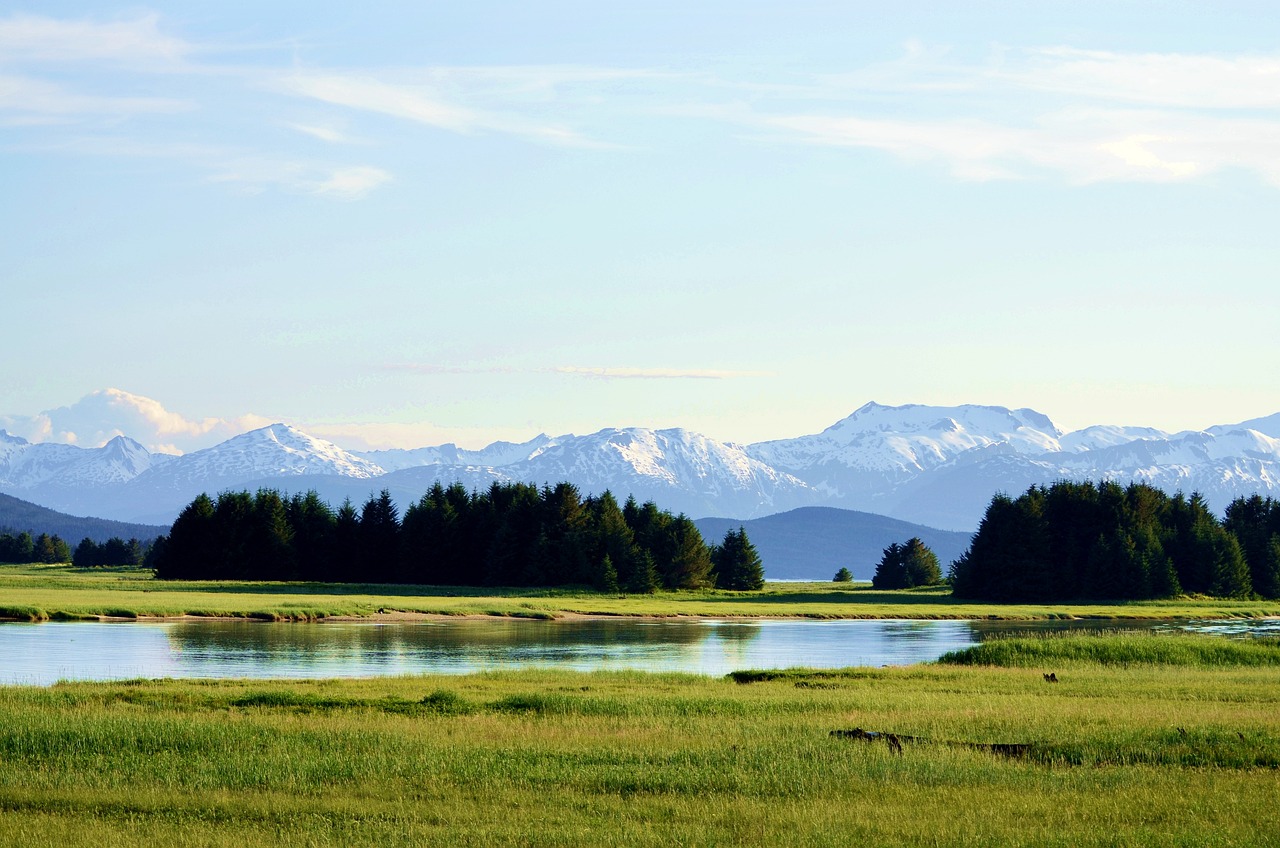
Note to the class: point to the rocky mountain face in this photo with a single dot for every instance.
(937, 466)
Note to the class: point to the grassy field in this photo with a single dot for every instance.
(1134, 746)
(42, 592)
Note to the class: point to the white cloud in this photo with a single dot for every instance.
(1158, 79)
(656, 373)
(38, 38)
(399, 101)
(99, 417)
(352, 183)
(585, 371)
(38, 97)
(328, 134)
(422, 102)
(1052, 110)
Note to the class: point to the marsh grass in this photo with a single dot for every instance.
(1122, 649)
(1137, 754)
(45, 592)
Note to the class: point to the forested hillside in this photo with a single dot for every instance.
(18, 516)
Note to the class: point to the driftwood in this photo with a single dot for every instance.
(895, 741)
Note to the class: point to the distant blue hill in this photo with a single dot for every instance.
(18, 516)
(813, 542)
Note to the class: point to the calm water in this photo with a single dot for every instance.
(42, 654)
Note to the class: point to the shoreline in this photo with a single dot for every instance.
(408, 616)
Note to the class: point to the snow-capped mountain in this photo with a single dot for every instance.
(275, 451)
(496, 454)
(862, 460)
(683, 471)
(24, 465)
(932, 465)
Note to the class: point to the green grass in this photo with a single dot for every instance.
(1126, 649)
(44, 592)
(1141, 754)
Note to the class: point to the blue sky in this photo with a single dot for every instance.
(425, 222)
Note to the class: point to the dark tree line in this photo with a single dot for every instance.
(1089, 541)
(114, 551)
(906, 566)
(509, 535)
(24, 548)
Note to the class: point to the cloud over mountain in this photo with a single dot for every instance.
(100, 416)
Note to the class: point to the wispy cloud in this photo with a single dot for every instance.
(656, 373)
(427, 99)
(399, 101)
(1155, 79)
(44, 39)
(34, 97)
(598, 373)
(329, 134)
(352, 183)
(1090, 116)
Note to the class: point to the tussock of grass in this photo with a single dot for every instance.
(1122, 649)
(808, 676)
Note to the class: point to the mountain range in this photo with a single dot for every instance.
(930, 465)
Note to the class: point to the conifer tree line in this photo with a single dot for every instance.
(509, 535)
(114, 551)
(23, 548)
(1104, 541)
(906, 566)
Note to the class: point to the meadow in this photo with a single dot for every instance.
(44, 592)
(1137, 744)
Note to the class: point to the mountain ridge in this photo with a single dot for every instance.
(931, 465)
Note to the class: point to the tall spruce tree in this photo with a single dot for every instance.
(737, 563)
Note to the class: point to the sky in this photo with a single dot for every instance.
(401, 224)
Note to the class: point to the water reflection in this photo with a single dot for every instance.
(44, 653)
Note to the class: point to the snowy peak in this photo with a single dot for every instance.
(277, 450)
(1105, 436)
(118, 461)
(1268, 426)
(681, 470)
(498, 454)
(917, 418)
(902, 441)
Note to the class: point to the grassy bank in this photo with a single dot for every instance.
(1147, 754)
(42, 592)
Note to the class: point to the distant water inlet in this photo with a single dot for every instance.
(42, 654)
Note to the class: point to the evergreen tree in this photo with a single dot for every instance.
(191, 548)
(86, 554)
(921, 564)
(270, 543)
(689, 565)
(1255, 522)
(891, 571)
(380, 537)
(314, 527)
(737, 564)
(1230, 571)
(844, 575)
(347, 562)
(607, 576)
(615, 540)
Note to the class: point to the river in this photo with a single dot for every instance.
(42, 654)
